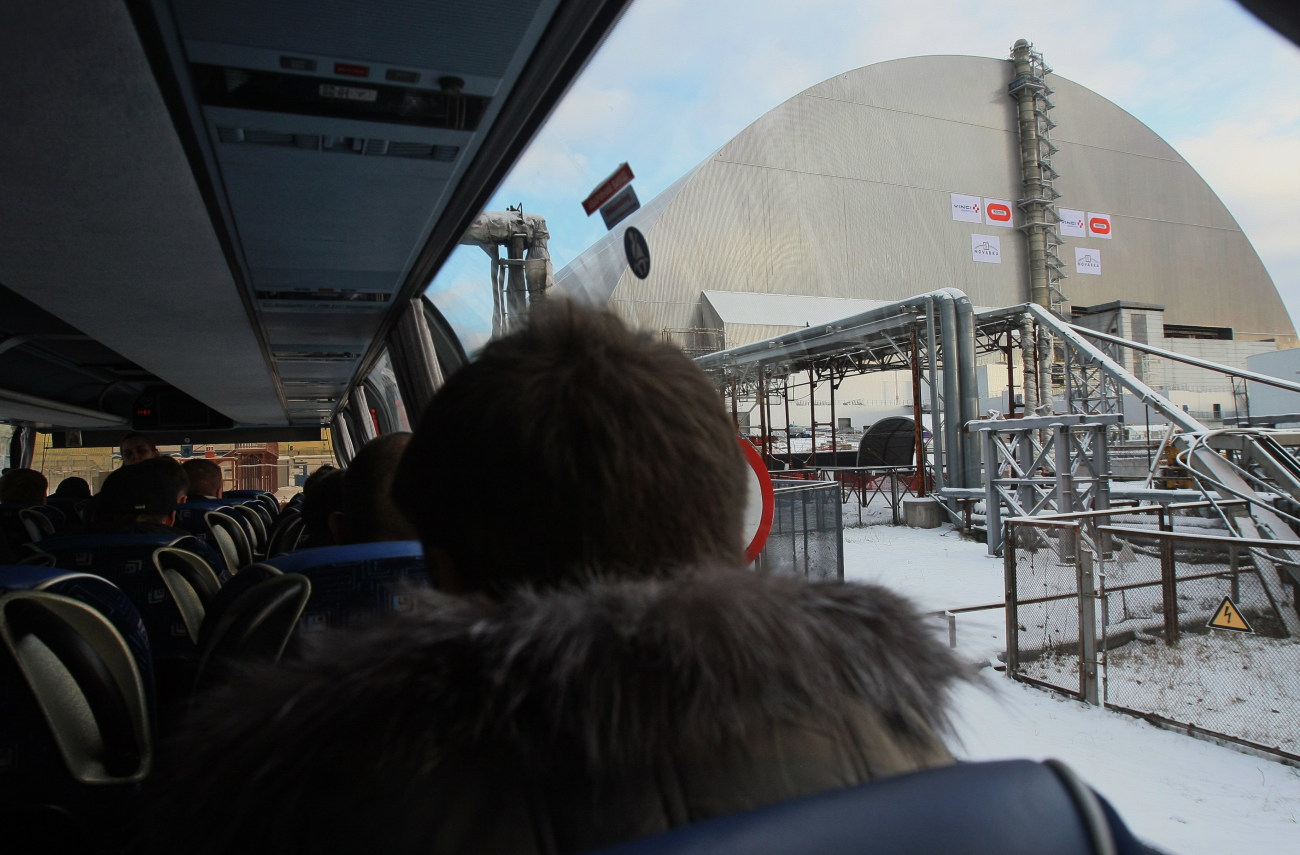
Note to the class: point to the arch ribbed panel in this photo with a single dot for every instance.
(844, 191)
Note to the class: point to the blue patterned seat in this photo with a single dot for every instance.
(1010, 807)
(351, 583)
(211, 522)
(76, 702)
(159, 573)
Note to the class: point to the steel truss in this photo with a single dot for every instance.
(1048, 465)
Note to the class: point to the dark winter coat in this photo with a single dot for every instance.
(557, 722)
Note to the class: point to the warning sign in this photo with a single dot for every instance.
(1227, 616)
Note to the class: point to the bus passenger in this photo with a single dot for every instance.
(73, 488)
(368, 513)
(598, 664)
(205, 478)
(138, 446)
(19, 489)
(140, 498)
(23, 487)
(322, 496)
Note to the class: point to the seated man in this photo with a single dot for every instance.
(205, 478)
(19, 489)
(141, 499)
(322, 497)
(368, 514)
(599, 664)
(138, 446)
(23, 487)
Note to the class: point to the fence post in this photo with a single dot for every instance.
(1234, 568)
(1169, 590)
(992, 502)
(1009, 595)
(1087, 626)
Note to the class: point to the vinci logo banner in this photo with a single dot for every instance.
(1087, 261)
(1073, 223)
(967, 209)
(997, 212)
(1099, 225)
(986, 248)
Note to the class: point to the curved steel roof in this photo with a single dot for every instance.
(844, 191)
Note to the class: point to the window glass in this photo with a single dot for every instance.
(385, 399)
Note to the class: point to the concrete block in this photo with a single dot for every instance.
(922, 512)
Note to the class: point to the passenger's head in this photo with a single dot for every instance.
(322, 495)
(137, 447)
(205, 477)
(368, 513)
(73, 488)
(143, 492)
(23, 487)
(612, 449)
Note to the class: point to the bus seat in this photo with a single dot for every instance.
(210, 522)
(285, 534)
(78, 735)
(253, 617)
(169, 589)
(72, 508)
(254, 525)
(266, 502)
(168, 583)
(19, 526)
(1010, 807)
(96, 592)
(355, 581)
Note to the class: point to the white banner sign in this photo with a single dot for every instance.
(997, 212)
(986, 248)
(1072, 223)
(1087, 261)
(967, 209)
(1099, 225)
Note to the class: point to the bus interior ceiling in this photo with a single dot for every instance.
(236, 202)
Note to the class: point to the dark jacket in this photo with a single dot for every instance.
(557, 722)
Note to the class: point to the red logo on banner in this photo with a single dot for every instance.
(1000, 213)
(1099, 225)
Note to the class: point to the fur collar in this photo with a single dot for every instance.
(623, 671)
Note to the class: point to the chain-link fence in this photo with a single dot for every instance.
(1155, 612)
(807, 538)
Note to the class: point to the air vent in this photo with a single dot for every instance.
(337, 145)
(316, 356)
(341, 97)
(325, 295)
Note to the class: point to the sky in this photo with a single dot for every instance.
(1184, 795)
(677, 79)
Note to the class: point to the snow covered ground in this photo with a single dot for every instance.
(1181, 794)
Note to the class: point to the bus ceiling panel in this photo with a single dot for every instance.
(304, 363)
(331, 330)
(329, 141)
(294, 214)
(285, 286)
(107, 228)
(463, 37)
